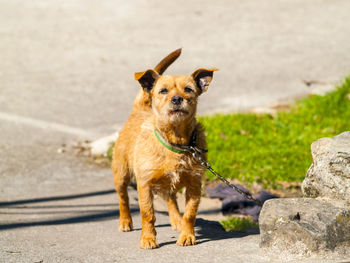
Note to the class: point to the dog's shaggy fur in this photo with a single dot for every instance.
(167, 104)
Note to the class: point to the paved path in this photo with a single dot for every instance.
(66, 75)
(75, 220)
(68, 213)
(72, 62)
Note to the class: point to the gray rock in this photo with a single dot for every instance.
(329, 174)
(304, 225)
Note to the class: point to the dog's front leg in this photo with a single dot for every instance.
(148, 234)
(193, 195)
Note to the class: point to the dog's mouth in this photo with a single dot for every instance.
(178, 112)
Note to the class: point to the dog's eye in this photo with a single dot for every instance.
(163, 91)
(188, 90)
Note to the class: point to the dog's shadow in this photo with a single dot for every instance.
(207, 230)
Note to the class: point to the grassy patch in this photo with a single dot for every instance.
(268, 149)
(109, 153)
(237, 224)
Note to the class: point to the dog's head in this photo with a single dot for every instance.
(174, 98)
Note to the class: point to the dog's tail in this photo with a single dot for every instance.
(167, 61)
(143, 100)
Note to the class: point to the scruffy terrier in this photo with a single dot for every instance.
(151, 147)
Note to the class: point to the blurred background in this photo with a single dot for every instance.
(67, 77)
(70, 64)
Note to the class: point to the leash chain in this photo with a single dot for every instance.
(196, 153)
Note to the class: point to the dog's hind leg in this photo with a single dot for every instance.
(121, 181)
(174, 214)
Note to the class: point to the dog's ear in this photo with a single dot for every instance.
(147, 79)
(203, 77)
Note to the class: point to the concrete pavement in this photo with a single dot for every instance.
(66, 75)
(72, 63)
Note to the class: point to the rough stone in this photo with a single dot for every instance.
(320, 223)
(304, 225)
(329, 174)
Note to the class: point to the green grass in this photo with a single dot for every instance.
(237, 224)
(109, 153)
(268, 149)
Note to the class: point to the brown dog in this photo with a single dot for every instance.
(149, 148)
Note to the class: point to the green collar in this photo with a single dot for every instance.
(178, 148)
(169, 147)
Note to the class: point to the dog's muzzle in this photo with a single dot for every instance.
(176, 100)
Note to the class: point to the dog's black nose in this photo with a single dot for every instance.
(176, 100)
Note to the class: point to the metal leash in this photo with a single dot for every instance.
(196, 153)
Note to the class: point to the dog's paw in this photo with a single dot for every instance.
(148, 243)
(125, 225)
(186, 240)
